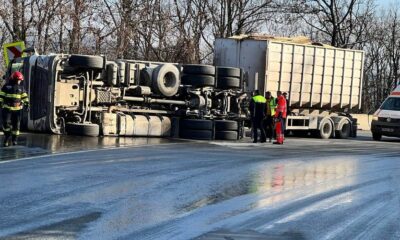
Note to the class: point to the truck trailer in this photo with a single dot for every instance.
(323, 83)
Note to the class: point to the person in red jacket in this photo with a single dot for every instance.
(280, 116)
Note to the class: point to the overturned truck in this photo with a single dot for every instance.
(88, 95)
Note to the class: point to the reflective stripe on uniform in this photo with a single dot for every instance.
(259, 99)
(12, 108)
(5, 129)
(17, 96)
(2, 94)
(15, 133)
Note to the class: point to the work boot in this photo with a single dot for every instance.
(6, 142)
(14, 140)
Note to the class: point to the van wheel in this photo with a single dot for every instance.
(83, 129)
(377, 136)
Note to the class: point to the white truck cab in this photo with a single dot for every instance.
(386, 120)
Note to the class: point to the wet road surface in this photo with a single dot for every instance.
(60, 187)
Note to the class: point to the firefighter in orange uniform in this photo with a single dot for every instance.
(280, 116)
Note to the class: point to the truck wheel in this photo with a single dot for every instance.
(199, 80)
(344, 131)
(83, 129)
(377, 136)
(226, 125)
(198, 69)
(226, 135)
(196, 134)
(228, 72)
(111, 71)
(166, 80)
(86, 61)
(228, 82)
(325, 130)
(196, 124)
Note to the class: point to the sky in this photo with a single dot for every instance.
(386, 3)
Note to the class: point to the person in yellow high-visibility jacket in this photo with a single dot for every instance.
(257, 111)
(269, 115)
(12, 99)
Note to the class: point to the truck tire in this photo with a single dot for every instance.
(228, 72)
(199, 80)
(226, 135)
(377, 136)
(198, 69)
(86, 61)
(326, 129)
(196, 124)
(226, 125)
(112, 74)
(196, 134)
(344, 131)
(83, 129)
(166, 80)
(228, 83)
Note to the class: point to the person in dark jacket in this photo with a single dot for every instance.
(257, 111)
(269, 115)
(12, 99)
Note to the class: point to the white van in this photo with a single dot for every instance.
(386, 120)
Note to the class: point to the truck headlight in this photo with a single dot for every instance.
(375, 118)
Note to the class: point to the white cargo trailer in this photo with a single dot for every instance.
(322, 82)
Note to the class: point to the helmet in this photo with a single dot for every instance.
(17, 76)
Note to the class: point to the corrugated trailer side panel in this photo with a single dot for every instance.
(315, 77)
(247, 54)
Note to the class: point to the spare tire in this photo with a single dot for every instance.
(226, 125)
(83, 129)
(228, 72)
(199, 80)
(226, 135)
(196, 134)
(196, 124)
(166, 80)
(228, 83)
(86, 61)
(198, 69)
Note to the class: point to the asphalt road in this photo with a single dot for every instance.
(60, 187)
